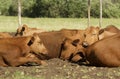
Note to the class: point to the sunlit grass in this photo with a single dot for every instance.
(10, 24)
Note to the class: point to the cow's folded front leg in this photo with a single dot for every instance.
(2, 62)
(36, 59)
(3, 65)
(23, 60)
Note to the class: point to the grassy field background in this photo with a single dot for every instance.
(10, 23)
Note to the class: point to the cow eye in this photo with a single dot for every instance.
(75, 42)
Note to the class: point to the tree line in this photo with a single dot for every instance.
(60, 8)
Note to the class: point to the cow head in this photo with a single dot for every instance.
(36, 45)
(91, 35)
(71, 50)
(22, 30)
(26, 31)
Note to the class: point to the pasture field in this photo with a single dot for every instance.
(56, 68)
(10, 24)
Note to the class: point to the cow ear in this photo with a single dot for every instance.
(22, 30)
(31, 41)
(24, 27)
(75, 42)
(101, 31)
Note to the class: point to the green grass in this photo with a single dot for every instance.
(10, 24)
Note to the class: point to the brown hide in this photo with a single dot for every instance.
(52, 41)
(112, 28)
(70, 32)
(5, 35)
(105, 52)
(108, 31)
(72, 47)
(71, 50)
(91, 35)
(105, 34)
(16, 51)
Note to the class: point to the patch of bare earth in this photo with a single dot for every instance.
(59, 69)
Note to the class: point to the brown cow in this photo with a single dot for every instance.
(93, 34)
(105, 52)
(18, 50)
(54, 39)
(26, 31)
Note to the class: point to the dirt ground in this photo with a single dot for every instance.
(59, 69)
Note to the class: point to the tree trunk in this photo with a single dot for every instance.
(89, 6)
(100, 23)
(19, 12)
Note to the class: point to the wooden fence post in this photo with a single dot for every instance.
(89, 6)
(100, 22)
(19, 12)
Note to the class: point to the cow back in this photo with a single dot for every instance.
(105, 52)
(52, 41)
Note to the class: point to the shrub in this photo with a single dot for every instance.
(60, 8)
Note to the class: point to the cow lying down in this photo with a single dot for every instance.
(17, 51)
(105, 52)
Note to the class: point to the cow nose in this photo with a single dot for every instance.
(85, 44)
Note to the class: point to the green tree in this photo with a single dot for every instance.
(4, 6)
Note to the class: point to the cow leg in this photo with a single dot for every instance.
(22, 60)
(2, 63)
